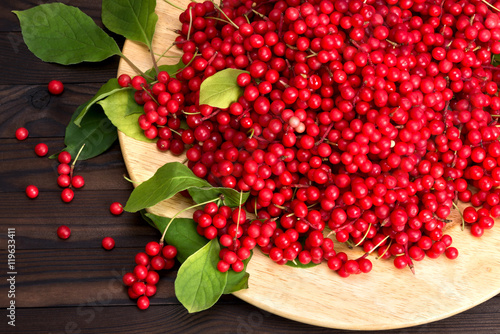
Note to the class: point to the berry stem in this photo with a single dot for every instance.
(178, 213)
(239, 213)
(175, 6)
(223, 13)
(74, 161)
(133, 66)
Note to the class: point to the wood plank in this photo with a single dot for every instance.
(43, 114)
(88, 216)
(21, 166)
(238, 318)
(71, 277)
(9, 21)
(19, 66)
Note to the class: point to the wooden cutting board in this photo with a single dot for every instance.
(383, 299)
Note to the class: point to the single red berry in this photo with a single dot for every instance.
(169, 252)
(63, 232)
(77, 181)
(56, 87)
(116, 208)
(41, 149)
(32, 191)
(152, 277)
(63, 169)
(108, 243)
(64, 157)
(143, 302)
(142, 259)
(129, 279)
(153, 248)
(22, 133)
(140, 271)
(63, 180)
(67, 195)
(124, 80)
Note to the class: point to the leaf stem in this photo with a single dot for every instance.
(223, 13)
(239, 213)
(74, 161)
(136, 69)
(155, 63)
(178, 213)
(175, 6)
(164, 53)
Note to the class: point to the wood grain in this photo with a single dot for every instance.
(22, 67)
(10, 23)
(238, 318)
(386, 298)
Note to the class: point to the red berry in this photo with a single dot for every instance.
(63, 180)
(22, 133)
(64, 157)
(67, 195)
(153, 248)
(55, 87)
(32, 191)
(116, 208)
(41, 150)
(108, 243)
(63, 232)
(77, 181)
(169, 252)
(129, 279)
(143, 302)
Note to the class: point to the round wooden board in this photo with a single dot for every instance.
(384, 299)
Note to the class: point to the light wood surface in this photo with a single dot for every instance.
(383, 299)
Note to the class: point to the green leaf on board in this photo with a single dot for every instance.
(168, 180)
(95, 131)
(133, 19)
(199, 284)
(221, 89)
(297, 264)
(109, 88)
(63, 34)
(237, 281)
(181, 234)
(124, 112)
(231, 196)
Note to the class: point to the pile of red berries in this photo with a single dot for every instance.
(142, 281)
(369, 118)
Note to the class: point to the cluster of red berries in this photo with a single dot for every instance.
(66, 179)
(142, 281)
(372, 118)
(163, 103)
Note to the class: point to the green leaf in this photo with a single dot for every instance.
(199, 284)
(65, 35)
(168, 180)
(134, 19)
(96, 132)
(237, 281)
(181, 234)
(221, 89)
(300, 265)
(124, 113)
(231, 196)
(109, 88)
(170, 69)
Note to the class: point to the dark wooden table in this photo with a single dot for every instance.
(74, 286)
